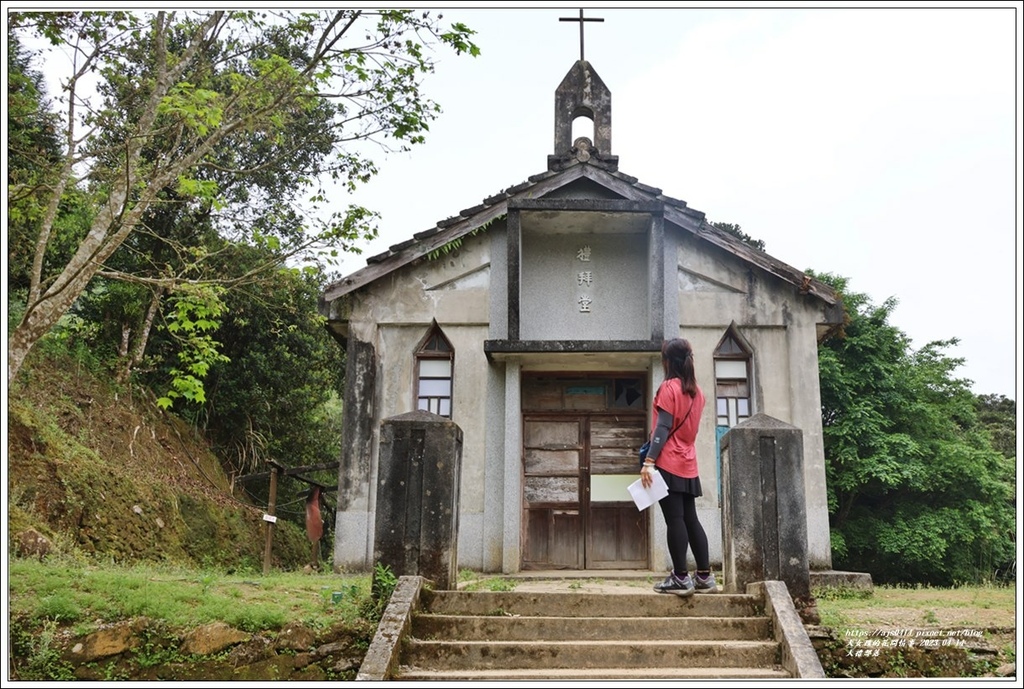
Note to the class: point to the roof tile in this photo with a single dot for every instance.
(427, 233)
(474, 210)
(518, 188)
(646, 188)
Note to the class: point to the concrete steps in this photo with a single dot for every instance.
(634, 634)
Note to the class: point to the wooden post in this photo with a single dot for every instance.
(269, 516)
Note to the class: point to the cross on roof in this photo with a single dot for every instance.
(580, 20)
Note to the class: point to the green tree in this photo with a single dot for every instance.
(737, 232)
(916, 491)
(269, 400)
(277, 394)
(999, 415)
(176, 91)
(33, 154)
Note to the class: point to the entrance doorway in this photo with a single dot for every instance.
(580, 436)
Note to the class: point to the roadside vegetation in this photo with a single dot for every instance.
(58, 603)
(83, 595)
(918, 631)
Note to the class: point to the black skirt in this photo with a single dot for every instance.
(678, 484)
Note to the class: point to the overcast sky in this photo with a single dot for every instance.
(869, 141)
(874, 143)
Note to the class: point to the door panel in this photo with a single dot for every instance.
(613, 444)
(564, 453)
(552, 435)
(616, 532)
(551, 461)
(553, 540)
(617, 537)
(544, 489)
(552, 453)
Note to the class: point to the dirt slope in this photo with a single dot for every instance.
(103, 470)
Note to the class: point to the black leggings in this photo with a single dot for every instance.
(680, 510)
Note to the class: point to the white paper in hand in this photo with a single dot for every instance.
(645, 497)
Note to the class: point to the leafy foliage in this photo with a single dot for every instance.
(267, 400)
(33, 155)
(382, 585)
(239, 123)
(737, 232)
(999, 415)
(199, 157)
(916, 491)
(196, 312)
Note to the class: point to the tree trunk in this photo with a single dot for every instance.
(18, 346)
(36, 322)
(138, 349)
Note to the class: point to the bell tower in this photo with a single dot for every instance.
(582, 94)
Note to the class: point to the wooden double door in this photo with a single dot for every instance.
(576, 507)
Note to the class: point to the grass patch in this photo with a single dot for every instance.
(85, 595)
(473, 581)
(915, 606)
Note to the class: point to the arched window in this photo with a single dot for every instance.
(732, 389)
(732, 379)
(435, 364)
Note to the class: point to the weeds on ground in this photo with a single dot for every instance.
(73, 593)
(471, 581)
(925, 602)
(381, 588)
(42, 656)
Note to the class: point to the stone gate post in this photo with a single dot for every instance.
(417, 515)
(764, 513)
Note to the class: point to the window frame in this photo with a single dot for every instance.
(745, 355)
(434, 335)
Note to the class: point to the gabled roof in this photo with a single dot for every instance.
(677, 212)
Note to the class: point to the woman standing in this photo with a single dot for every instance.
(678, 405)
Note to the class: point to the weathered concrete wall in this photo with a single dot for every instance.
(470, 381)
(780, 325)
(805, 387)
(392, 318)
(705, 289)
(488, 534)
(551, 289)
(353, 521)
(512, 472)
(498, 295)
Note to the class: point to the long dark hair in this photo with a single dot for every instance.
(677, 359)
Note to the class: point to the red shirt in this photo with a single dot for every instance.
(679, 454)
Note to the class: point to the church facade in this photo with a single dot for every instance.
(534, 320)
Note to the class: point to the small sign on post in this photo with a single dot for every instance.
(269, 517)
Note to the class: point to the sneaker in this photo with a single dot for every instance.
(681, 586)
(705, 584)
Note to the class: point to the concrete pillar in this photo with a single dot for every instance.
(764, 514)
(353, 526)
(511, 458)
(417, 520)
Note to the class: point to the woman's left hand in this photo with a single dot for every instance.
(647, 475)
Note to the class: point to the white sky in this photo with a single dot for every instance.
(874, 143)
(871, 141)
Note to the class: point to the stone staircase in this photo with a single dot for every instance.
(620, 633)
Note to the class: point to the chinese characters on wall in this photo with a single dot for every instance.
(584, 278)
